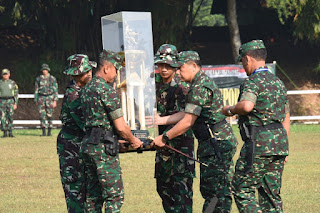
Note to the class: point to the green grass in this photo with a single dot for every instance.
(30, 181)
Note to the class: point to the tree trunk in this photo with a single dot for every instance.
(233, 28)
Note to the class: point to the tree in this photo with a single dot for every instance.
(303, 14)
(233, 28)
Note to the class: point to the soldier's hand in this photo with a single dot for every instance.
(157, 119)
(15, 106)
(225, 110)
(54, 104)
(158, 141)
(136, 143)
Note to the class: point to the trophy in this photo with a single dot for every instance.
(130, 35)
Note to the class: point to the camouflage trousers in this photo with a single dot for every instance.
(103, 179)
(45, 108)
(71, 171)
(215, 180)
(174, 175)
(6, 114)
(264, 177)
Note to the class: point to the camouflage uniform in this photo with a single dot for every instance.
(205, 101)
(8, 98)
(101, 105)
(174, 173)
(71, 135)
(271, 148)
(46, 92)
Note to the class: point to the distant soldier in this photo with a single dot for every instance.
(264, 123)
(174, 172)
(46, 97)
(8, 102)
(104, 124)
(72, 132)
(216, 141)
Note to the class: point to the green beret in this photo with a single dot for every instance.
(78, 64)
(113, 58)
(45, 67)
(251, 45)
(186, 56)
(167, 54)
(5, 71)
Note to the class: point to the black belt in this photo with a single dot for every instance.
(6, 98)
(78, 133)
(269, 127)
(45, 95)
(216, 125)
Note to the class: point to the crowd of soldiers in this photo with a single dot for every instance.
(45, 97)
(189, 106)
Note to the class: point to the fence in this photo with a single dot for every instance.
(291, 92)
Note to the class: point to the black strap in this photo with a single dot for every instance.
(6, 98)
(78, 133)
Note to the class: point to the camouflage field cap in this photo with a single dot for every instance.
(112, 57)
(5, 71)
(167, 54)
(78, 64)
(251, 45)
(186, 56)
(45, 67)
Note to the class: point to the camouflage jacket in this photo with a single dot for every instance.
(269, 95)
(205, 100)
(9, 88)
(71, 113)
(170, 100)
(46, 86)
(100, 104)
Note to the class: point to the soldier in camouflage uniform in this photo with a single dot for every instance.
(216, 141)
(264, 122)
(46, 97)
(174, 173)
(103, 123)
(72, 133)
(8, 102)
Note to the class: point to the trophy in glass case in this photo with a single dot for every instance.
(130, 34)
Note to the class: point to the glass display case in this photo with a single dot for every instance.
(130, 34)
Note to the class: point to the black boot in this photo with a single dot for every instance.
(10, 134)
(43, 132)
(4, 134)
(49, 132)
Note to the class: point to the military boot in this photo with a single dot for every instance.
(43, 132)
(4, 134)
(49, 132)
(10, 134)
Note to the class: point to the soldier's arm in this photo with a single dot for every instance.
(181, 127)
(55, 89)
(36, 91)
(241, 108)
(16, 93)
(124, 131)
(170, 119)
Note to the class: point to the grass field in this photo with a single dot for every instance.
(30, 181)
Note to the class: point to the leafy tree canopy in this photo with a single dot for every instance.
(304, 14)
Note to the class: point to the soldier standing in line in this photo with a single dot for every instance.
(216, 141)
(72, 133)
(103, 123)
(46, 97)
(8, 102)
(264, 123)
(174, 173)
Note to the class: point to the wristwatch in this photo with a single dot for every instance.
(165, 138)
(229, 112)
